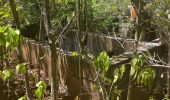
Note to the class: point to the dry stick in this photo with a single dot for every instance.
(64, 30)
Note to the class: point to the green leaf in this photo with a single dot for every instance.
(40, 90)
(134, 61)
(132, 71)
(3, 29)
(122, 70)
(74, 54)
(21, 68)
(2, 39)
(116, 77)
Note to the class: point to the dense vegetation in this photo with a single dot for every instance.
(48, 21)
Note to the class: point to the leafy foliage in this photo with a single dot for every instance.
(146, 77)
(5, 15)
(105, 12)
(137, 63)
(12, 37)
(29, 11)
(40, 90)
(7, 74)
(21, 68)
(102, 62)
(118, 73)
(141, 72)
(9, 37)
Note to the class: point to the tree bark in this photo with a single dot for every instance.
(80, 44)
(54, 57)
(130, 87)
(15, 13)
(19, 51)
(138, 5)
(168, 74)
(1, 68)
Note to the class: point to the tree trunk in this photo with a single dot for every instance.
(168, 74)
(39, 50)
(54, 57)
(19, 51)
(54, 78)
(1, 68)
(86, 15)
(139, 7)
(168, 70)
(15, 13)
(130, 87)
(80, 44)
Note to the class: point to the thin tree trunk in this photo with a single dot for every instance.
(54, 78)
(80, 44)
(15, 13)
(54, 57)
(86, 16)
(19, 51)
(1, 68)
(84, 40)
(168, 75)
(78, 15)
(130, 87)
(27, 87)
(168, 70)
(40, 51)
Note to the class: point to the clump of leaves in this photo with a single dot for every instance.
(74, 54)
(102, 62)
(146, 77)
(21, 68)
(2, 35)
(141, 72)
(118, 73)
(9, 37)
(12, 37)
(7, 74)
(40, 90)
(137, 63)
